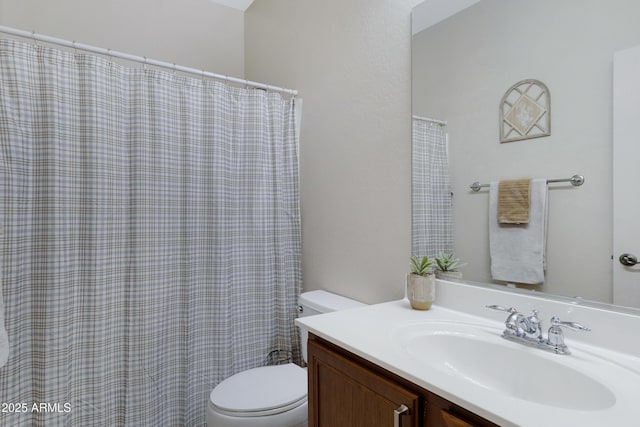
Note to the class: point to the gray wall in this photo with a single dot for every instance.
(193, 33)
(461, 69)
(350, 60)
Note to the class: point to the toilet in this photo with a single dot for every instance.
(276, 395)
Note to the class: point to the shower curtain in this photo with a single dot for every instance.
(150, 241)
(432, 224)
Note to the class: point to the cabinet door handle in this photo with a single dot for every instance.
(401, 411)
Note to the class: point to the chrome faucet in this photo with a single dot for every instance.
(519, 325)
(528, 330)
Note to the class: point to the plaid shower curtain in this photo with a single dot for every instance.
(432, 223)
(150, 242)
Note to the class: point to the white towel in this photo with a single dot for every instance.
(518, 251)
(4, 340)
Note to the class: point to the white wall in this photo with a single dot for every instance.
(464, 65)
(430, 12)
(350, 60)
(193, 33)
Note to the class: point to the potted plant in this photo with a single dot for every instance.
(421, 283)
(447, 266)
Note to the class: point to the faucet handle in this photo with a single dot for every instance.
(501, 308)
(513, 323)
(556, 337)
(555, 321)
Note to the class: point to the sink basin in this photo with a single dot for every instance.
(479, 356)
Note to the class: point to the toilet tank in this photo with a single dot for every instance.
(318, 302)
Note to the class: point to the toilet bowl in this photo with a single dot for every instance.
(276, 395)
(269, 396)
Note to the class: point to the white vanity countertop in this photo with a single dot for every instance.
(372, 332)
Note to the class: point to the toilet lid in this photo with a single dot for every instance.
(261, 391)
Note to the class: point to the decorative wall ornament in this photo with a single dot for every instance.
(525, 111)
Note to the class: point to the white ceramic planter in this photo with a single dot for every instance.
(421, 290)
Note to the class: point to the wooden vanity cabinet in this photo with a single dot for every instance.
(346, 390)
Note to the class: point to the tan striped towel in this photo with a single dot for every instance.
(514, 201)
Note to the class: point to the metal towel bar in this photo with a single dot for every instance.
(575, 180)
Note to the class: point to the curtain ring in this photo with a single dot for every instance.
(144, 63)
(35, 39)
(174, 69)
(75, 48)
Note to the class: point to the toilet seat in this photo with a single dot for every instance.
(262, 391)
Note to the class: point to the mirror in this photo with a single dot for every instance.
(461, 68)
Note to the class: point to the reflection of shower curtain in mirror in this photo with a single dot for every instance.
(432, 225)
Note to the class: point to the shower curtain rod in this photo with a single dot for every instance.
(142, 59)
(427, 119)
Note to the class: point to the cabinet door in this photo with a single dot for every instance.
(343, 393)
(451, 420)
(442, 413)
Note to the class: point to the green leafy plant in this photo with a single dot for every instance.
(448, 262)
(422, 266)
